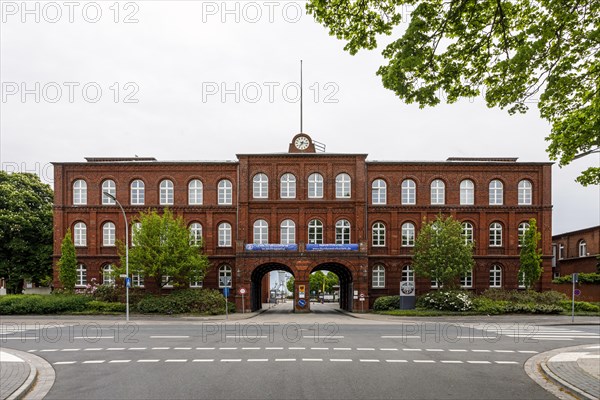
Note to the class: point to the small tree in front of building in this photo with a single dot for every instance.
(67, 264)
(531, 255)
(441, 252)
(162, 249)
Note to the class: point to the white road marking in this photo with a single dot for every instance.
(424, 361)
(296, 348)
(458, 350)
(412, 349)
(119, 361)
(203, 360)
(48, 350)
(434, 350)
(231, 360)
(285, 359)
(340, 359)
(115, 348)
(527, 351)
(396, 361)
(390, 349)
(205, 348)
(148, 361)
(94, 362)
(451, 362)
(504, 351)
(227, 348)
(480, 351)
(506, 362)
(70, 349)
(160, 348)
(342, 348)
(64, 362)
(369, 361)
(31, 351)
(93, 349)
(319, 348)
(21, 338)
(365, 349)
(137, 348)
(250, 348)
(312, 359)
(176, 360)
(169, 337)
(273, 348)
(478, 362)
(182, 348)
(258, 359)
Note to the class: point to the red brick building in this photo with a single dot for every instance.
(576, 251)
(304, 211)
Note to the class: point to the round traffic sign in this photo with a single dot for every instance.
(242, 291)
(301, 302)
(577, 292)
(362, 295)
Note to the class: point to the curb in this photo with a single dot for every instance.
(40, 380)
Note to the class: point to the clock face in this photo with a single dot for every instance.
(301, 143)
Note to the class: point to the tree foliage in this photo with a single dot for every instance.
(161, 247)
(531, 255)
(25, 229)
(316, 280)
(67, 265)
(441, 252)
(511, 51)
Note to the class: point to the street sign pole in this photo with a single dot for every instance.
(574, 281)
(243, 305)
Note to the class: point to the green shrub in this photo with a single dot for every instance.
(580, 306)
(387, 303)
(593, 277)
(525, 296)
(104, 306)
(446, 300)
(39, 304)
(488, 306)
(109, 293)
(203, 301)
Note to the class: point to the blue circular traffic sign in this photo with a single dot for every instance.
(302, 302)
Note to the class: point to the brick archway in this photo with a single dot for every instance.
(256, 279)
(346, 281)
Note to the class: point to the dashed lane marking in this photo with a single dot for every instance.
(203, 360)
(365, 349)
(71, 350)
(205, 348)
(182, 348)
(478, 362)
(64, 362)
(434, 349)
(424, 361)
(160, 348)
(231, 360)
(285, 359)
(148, 361)
(94, 362)
(342, 348)
(451, 362)
(258, 359)
(340, 359)
(119, 361)
(176, 360)
(250, 348)
(388, 349)
(296, 348)
(369, 361)
(312, 359)
(506, 362)
(168, 337)
(273, 348)
(396, 361)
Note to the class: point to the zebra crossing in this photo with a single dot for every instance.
(540, 333)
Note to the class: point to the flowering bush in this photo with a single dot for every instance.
(89, 289)
(447, 300)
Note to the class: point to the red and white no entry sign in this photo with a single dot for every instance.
(242, 291)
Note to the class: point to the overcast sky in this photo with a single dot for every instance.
(194, 80)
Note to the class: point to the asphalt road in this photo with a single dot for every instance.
(280, 355)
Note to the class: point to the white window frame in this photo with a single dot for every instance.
(137, 192)
(260, 186)
(495, 234)
(79, 192)
(468, 232)
(108, 277)
(408, 274)
(166, 281)
(315, 231)
(408, 234)
(582, 247)
(167, 192)
(438, 192)
(137, 280)
(287, 232)
(496, 193)
(467, 192)
(109, 186)
(287, 187)
(522, 228)
(561, 251)
(109, 232)
(378, 277)
(81, 275)
(521, 280)
(225, 272)
(466, 281)
(409, 192)
(195, 192)
(342, 231)
(224, 231)
(315, 186)
(378, 234)
(495, 276)
(379, 192)
(525, 189)
(225, 193)
(261, 232)
(343, 186)
(195, 233)
(80, 234)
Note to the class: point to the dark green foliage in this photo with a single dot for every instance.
(105, 307)
(582, 278)
(202, 301)
(531, 255)
(387, 303)
(580, 306)
(25, 230)
(39, 304)
(109, 293)
(525, 296)
(67, 265)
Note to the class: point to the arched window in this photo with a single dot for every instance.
(408, 234)
(109, 186)
(315, 186)
(135, 228)
(195, 234)
(467, 232)
(495, 234)
(467, 192)
(108, 234)
(343, 186)
(438, 192)
(81, 275)
(342, 232)
(496, 193)
(582, 248)
(166, 192)
(408, 274)
(378, 234)
(79, 192)
(523, 226)
(225, 276)
(261, 232)
(260, 186)
(224, 234)
(409, 192)
(287, 188)
(315, 232)
(378, 277)
(80, 234)
(288, 232)
(379, 192)
(525, 191)
(195, 192)
(137, 192)
(495, 276)
(225, 195)
(466, 281)
(108, 277)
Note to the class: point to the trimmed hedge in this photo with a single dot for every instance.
(202, 301)
(580, 306)
(593, 277)
(54, 304)
(387, 303)
(525, 296)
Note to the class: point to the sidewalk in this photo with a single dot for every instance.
(24, 375)
(570, 371)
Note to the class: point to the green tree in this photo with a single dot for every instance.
(67, 265)
(161, 248)
(290, 284)
(512, 51)
(441, 252)
(25, 230)
(531, 255)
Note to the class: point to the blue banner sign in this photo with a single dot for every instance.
(332, 247)
(271, 247)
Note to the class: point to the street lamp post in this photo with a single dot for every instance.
(126, 254)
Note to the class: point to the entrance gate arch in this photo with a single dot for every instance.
(256, 281)
(344, 275)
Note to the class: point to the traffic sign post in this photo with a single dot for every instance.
(226, 294)
(243, 292)
(574, 279)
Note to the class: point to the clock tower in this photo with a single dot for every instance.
(302, 143)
